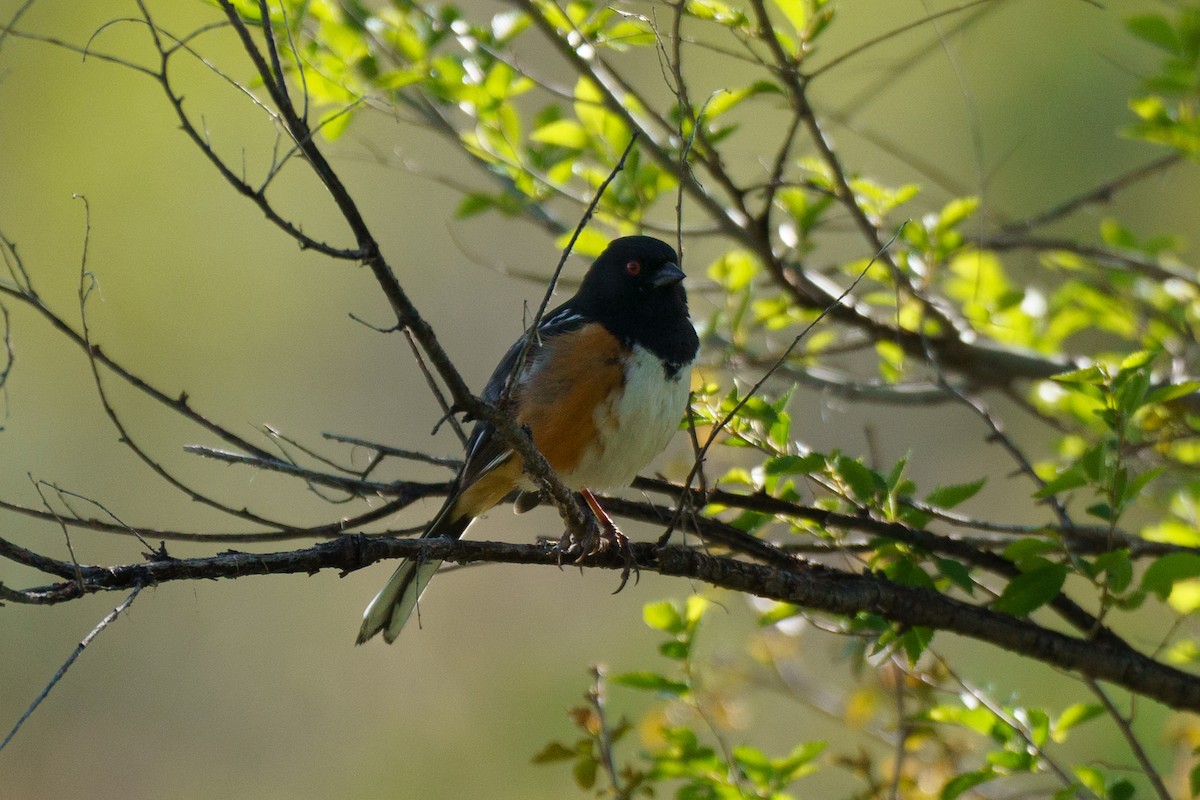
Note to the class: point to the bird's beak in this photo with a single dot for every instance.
(667, 274)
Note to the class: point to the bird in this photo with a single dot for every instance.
(601, 390)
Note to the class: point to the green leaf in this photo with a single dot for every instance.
(950, 496)
(693, 610)
(1112, 232)
(1091, 778)
(750, 521)
(1093, 462)
(675, 649)
(1073, 716)
(584, 772)
(891, 360)
(778, 613)
(1173, 531)
(800, 756)
(794, 11)
(1030, 550)
(892, 481)
(663, 616)
(1155, 29)
(915, 641)
(958, 573)
(907, 572)
(1130, 389)
(967, 780)
(1121, 790)
(734, 270)
(590, 243)
(1072, 477)
(562, 132)
(780, 431)
(1138, 359)
(601, 125)
(333, 123)
(1134, 488)
(1011, 760)
(724, 100)
(1165, 394)
(1160, 577)
(651, 682)
(1119, 568)
(956, 212)
(552, 752)
(472, 204)
(753, 762)
(755, 408)
(1088, 376)
(980, 719)
(863, 482)
(1031, 590)
(630, 33)
(1038, 723)
(794, 465)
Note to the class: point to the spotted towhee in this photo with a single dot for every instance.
(601, 390)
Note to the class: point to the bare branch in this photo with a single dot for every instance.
(353, 486)
(1102, 193)
(1126, 728)
(104, 623)
(807, 585)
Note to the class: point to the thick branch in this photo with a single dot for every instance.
(806, 585)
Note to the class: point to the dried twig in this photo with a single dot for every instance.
(79, 648)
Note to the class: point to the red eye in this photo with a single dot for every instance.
(633, 268)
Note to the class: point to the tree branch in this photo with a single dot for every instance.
(806, 585)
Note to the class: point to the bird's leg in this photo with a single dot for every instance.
(609, 536)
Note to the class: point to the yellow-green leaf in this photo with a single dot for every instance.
(562, 132)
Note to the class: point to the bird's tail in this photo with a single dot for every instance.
(395, 602)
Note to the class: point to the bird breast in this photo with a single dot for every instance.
(633, 427)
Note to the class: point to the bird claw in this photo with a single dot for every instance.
(598, 540)
(621, 542)
(566, 546)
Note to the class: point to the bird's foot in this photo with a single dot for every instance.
(604, 537)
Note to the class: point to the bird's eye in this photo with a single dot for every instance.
(633, 267)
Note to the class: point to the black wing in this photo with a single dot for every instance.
(485, 450)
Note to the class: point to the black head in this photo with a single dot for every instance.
(635, 275)
(635, 289)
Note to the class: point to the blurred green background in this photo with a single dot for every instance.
(252, 688)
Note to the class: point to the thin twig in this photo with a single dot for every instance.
(903, 731)
(13, 20)
(1127, 260)
(887, 36)
(87, 284)
(79, 648)
(447, 411)
(355, 486)
(406, 312)
(531, 334)
(1102, 193)
(698, 462)
(37, 485)
(997, 434)
(1124, 724)
(1022, 730)
(596, 698)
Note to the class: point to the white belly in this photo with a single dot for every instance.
(647, 414)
